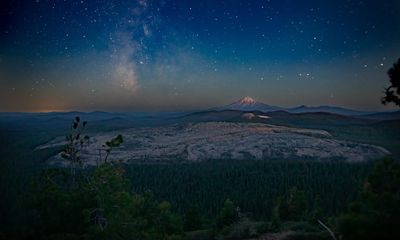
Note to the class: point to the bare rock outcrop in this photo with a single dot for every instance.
(222, 140)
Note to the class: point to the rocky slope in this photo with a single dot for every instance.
(221, 140)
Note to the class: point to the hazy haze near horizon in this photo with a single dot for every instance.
(180, 55)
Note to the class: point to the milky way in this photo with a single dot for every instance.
(143, 55)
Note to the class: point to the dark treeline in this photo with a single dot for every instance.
(215, 199)
(252, 185)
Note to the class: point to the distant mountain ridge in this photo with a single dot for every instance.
(327, 109)
(249, 104)
(243, 105)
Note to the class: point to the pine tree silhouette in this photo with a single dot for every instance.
(392, 93)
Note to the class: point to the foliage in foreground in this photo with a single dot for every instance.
(376, 212)
(101, 206)
(99, 203)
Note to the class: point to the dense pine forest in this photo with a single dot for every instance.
(215, 199)
(252, 185)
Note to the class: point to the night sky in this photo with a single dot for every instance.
(143, 55)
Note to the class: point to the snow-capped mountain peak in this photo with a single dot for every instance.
(249, 104)
(246, 101)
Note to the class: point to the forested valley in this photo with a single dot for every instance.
(224, 199)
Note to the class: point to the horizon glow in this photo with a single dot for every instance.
(167, 55)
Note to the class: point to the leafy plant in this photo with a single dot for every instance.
(113, 143)
(76, 141)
